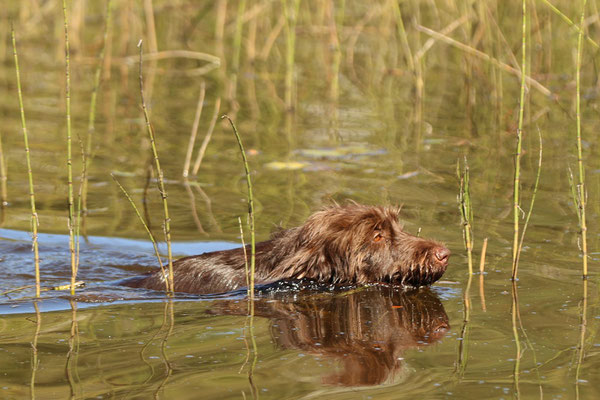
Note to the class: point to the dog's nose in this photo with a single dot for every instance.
(442, 254)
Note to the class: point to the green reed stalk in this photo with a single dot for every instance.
(517, 178)
(466, 210)
(237, 46)
(206, 140)
(92, 113)
(150, 235)
(290, 29)
(403, 36)
(237, 38)
(71, 225)
(195, 125)
(34, 216)
(245, 255)
(3, 178)
(571, 23)
(159, 173)
(535, 189)
(250, 207)
(581, 192)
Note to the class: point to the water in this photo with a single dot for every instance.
(366, 136)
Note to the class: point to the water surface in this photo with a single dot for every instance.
(358, 124)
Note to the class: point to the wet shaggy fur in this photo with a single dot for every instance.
(349, 244)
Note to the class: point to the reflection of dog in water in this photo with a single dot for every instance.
(367, 331)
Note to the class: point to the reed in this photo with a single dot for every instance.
(466, 210)
(71, 205)
(250, 207)
(150, 235)
(159, 173)
(533, 195)
(572, 24)
(291, 15)
(34, 215)
(403, 36)
(195, 125)
(518, 154)
(483, 254)
(482, 274)
(581, 191)
(207, 138)
(87, 159)
(237, 49)
(3, 178)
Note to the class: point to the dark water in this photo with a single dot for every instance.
(356, 124)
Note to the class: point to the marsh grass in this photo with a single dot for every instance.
(195, 125)
(207, 138)
(150, 235)
(250, 211)
(466, 209)
(580, 189)
(519, 145)
(71, 205)
(159, 173)
(3, 178)
(34, 215)
(291, 16)
(88, 153)
(531, 204)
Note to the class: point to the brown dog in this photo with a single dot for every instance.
(350, 244)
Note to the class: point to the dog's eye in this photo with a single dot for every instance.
(378, 237)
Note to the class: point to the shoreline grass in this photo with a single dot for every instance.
(34, 215)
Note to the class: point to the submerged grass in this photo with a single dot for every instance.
(159, 173)
(34, 215)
